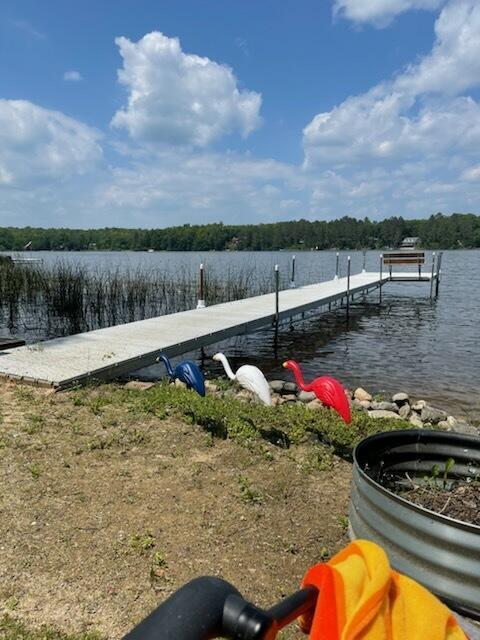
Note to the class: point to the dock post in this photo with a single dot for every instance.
(349, 261)
(292, 279)
(432, 278)
(439, 271)
(201, 291)
(364, 261)
(336, 268)
(381, 275)
(277, 287)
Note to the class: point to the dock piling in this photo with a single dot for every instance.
(292, 279)
(277, 288)
(201, 291)
(337, 266)
(381, 275)
(364, 261)
(349, 262)
(439, 272)
(433, 275)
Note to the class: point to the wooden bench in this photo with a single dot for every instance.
(416, 258)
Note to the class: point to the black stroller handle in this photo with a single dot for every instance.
(210, 607)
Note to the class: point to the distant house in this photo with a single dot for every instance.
(410, 243)
(233, 244)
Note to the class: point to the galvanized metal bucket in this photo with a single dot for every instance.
(440, 552)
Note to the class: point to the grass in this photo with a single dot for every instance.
(12, 629)
(248, 493)
(247, 424)
(65, 298)
(141, 542)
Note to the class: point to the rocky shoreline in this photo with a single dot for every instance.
(400, 406)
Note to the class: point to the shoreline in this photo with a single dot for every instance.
(417, 413)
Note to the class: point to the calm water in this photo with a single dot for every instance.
(409, 343)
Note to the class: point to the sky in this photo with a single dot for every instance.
(152, 113)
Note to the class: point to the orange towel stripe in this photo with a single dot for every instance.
(361, 598)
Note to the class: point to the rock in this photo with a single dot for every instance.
(289, 387)
(433, 415)
(400, 398)
(418, 405)
(306, 396)
(443, 424)
(138, 384)
(246, 396)
(211, 386)
(289, 397)
(276, 400)
(179, 383)
(276, 386)
(416, 421)
(314, 404)
(464, 427)
(404, 411)
(349, 393)
(358, 404)
(379, 413)
(365, 404)
(451, 421)
(385, 406)
(361, 394)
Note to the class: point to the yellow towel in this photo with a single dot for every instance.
(362, 598)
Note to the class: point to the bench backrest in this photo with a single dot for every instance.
(404, 257)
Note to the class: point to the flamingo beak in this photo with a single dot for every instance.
(284, 365)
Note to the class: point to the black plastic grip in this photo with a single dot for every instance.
(194, 612)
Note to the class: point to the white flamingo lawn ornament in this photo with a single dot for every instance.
(249, 377)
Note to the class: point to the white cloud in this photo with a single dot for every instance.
(379, 12)
(471, 173)
(371, 130)
(40, 145)
(415, 112)
(28, 29)
(454, 62)
(179, 186)
(72, 76)
(411, 139)
(178, 98)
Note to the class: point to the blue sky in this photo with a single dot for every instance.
(143, 113)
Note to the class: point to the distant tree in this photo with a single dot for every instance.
(439, 231)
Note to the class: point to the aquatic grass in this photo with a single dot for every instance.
(45, 301)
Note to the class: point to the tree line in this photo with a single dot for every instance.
(439, 231)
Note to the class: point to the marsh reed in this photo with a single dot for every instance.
(45, 301)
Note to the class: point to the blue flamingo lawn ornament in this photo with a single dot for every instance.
(187, 372)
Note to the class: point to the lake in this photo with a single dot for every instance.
(430, 349)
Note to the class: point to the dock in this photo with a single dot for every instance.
(114, 351)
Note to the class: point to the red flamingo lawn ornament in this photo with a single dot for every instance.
(328, 390)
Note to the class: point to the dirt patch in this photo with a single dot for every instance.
(461, 502)
(104, 511)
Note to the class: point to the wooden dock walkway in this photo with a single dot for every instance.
(110, 352)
